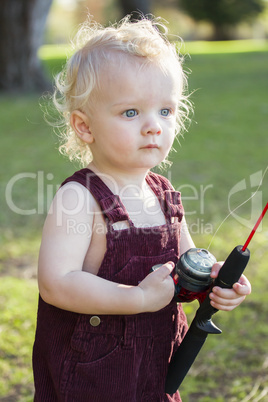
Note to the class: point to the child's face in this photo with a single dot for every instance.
(133, 117)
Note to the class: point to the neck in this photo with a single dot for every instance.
(121, 180)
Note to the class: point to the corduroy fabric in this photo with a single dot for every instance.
(124, 358)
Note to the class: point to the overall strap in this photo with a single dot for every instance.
(170, 200)
(110, 204)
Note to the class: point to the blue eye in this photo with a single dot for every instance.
(130, 113)
(165, 112)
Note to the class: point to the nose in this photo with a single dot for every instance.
(151, 127)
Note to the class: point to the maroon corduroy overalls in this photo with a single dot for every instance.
(114, 358)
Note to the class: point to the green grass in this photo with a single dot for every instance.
(18, 303)
(226, 144)
(226, 47)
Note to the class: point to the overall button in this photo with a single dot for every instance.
(95, 321)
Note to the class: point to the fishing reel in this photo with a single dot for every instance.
(191, 275)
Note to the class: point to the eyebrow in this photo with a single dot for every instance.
(124, 104)
(133, 102)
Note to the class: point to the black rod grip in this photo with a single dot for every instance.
(233, 267)
(202, 325)
(183, 359)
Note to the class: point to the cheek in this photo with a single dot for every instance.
(168, 142)
(170, 133)
(120, 143)
(126, 145)
(124, 135)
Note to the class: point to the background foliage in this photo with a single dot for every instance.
(62, 21)
(223, 13)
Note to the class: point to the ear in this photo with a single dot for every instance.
(80, 123)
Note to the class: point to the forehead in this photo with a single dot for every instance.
(137, 76)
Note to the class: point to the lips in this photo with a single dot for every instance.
(150, 146)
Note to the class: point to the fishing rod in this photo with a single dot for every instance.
(192, 275)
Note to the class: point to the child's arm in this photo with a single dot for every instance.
(64, 284)
(222, 299)
(186, 240)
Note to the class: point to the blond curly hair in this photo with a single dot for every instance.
(94, 46)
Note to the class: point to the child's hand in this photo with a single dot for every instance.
(228, 299)
(157, 288)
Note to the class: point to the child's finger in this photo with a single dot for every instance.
(243, 286)
(165, 270)
(225, 306)
(225, 303)
(228, 294)
(216, 268)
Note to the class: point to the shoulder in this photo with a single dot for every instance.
(161, 181)
(81, 176)
(72, 200)
(73, 194)
(75, 190)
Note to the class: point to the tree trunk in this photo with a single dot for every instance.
(22, 24)
(220, 32)
(135, 7)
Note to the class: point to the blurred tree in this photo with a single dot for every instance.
(222, 13)
(22, 24)
(91, 7)
(135, 7)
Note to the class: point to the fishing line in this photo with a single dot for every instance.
(240, 205)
